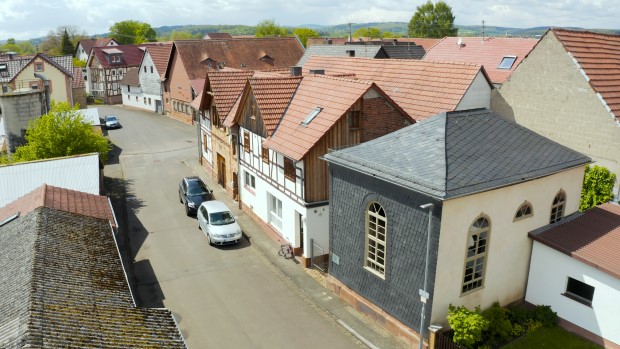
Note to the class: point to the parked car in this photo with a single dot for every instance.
(218, 223)
(193, 192)
(112, 121)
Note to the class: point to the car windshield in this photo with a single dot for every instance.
(111, 118)
(221, 218)
(196, 189)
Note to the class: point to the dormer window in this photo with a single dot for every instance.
(115, 59)
(507, 62)
(3, 68)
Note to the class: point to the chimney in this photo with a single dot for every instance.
(295, 71)
(317, 71)
(351, 53)
(329, 41)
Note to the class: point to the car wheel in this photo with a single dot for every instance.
(180, 198)
(187, 209)
(199, 227)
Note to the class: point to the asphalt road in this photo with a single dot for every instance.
(222, 297)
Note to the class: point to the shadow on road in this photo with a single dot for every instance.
(149, 293)
(114, 155)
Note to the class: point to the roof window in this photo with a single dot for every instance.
(311, 116)
(2, 67)
(507, 62)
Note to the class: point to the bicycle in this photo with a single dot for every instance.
(286, 251)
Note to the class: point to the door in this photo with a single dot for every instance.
(299, 223)
(221, 170)
(158, 108)
(235, 186)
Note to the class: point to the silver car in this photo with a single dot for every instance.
(112, 121)
(218, 223)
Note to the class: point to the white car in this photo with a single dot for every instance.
(112, 121)
(218, 223)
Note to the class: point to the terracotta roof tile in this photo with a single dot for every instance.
(424, 42)
(488, 52)
(421, 88)
(227, 87)
(78, 78)
(160, 54)
(293, 138)
(592, 237)
(599, 56)
(273, 95)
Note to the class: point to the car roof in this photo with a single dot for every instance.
(215, 206)
(110, 116)
(193, 179)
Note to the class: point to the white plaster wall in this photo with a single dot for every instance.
(549, 272)
(317, 221)
(509, 247)
(478, 95)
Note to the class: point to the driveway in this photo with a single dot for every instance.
(222, 297)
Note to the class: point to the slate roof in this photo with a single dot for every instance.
(366, 51)
(460, 153)
(404, 51)
(421, 88)
(273, 95)
(131, 55)
(294, 139)
(488, 51)
(246, 53)
(62, 285)
(61, 199)
(17, 64)
(227, 87)
(78, 78)
(160, 54)
(132, 77)
(592, 237)
(599, 57)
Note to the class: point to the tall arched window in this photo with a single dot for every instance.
(475, 258)
(376, 228)
(557, 208)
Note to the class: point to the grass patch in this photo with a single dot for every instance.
(551, 338)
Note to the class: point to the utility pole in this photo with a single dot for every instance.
(483, 30)
(350, 33)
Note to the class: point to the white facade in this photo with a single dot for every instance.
(548, 276)
(206, 137)
(133, 97)
(508, 248)
(150, 81)
(478, 94)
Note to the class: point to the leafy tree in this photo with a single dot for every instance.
(61, 132)
(269, 28)
(432, 21)
(179, 35)
(372, 33)
(598, 185)
(66, 47)
(387, 34)
(132, 32)
(78, 62)
(10, 41)
(468, 326)
(304, 34)
(52, 44)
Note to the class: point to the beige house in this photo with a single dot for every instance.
(568, 89)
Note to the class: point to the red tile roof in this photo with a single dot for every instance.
(160, 54)
(335, 95)
(488, 52)
(78, 78)
(248, 53)
(211, 36)
(599, 57)
(131, 55)
(227, 87)
(273, 95)
(61, 199)
(421, 88)
(592, 238)
(88, 44)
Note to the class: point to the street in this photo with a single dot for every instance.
(221, 297)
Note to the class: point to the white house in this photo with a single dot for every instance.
(575, 268)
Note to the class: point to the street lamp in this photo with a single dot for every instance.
(424, 295)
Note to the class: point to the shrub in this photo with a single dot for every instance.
(468, 326)
(533, 325)
(518, 314)
(500, 328)
(598, 185)
(517, 330)
(544, 315)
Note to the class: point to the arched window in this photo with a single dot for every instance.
(376, 228)
(475, 258)
(557, 208)
(524, 211)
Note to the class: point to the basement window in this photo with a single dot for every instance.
(507, 62)
(311, 116)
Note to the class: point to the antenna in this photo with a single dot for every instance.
(483, 30)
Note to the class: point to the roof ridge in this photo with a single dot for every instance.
(554, 29)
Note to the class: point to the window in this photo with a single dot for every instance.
(376, 229)
(246, 141)
(265, 153)
(136, 98)
(275, 211)
(233, 140)
(128, 88)
(250, 180)
(289, 169)
(524, 211)
(579, 291)
(507, 62)
(204, 143)
(149, 100)
(38, 67)
(354, 119)
(477, 241)
(144, 100)
(145, 68)
(311, 116)
(151, 69)
(557, 208)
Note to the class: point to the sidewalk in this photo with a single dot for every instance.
(371, 334)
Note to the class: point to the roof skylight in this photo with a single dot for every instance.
(311, 116)
(507, 62)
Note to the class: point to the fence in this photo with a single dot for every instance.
(443, 341)
(318, 258)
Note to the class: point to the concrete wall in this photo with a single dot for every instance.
(548, 276)
(478, 95)
(407, 223)
(548, 94)
(18, 108)
(508, 246)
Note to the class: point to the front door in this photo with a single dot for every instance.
(221, 171)
(235, 186)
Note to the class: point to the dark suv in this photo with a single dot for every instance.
(193, 192)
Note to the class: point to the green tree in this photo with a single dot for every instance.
(10, 41)
(61, 132)
(387, 34)
(78, 62)
(132, 32)
(598, 185)
(269, 28)
(468, 326)
(372, 33)
(432, 21)
(66, 47)
(304, 34)
(52, 44)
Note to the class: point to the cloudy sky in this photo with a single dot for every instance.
(25, 19)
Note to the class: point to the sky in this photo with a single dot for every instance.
(27, 19)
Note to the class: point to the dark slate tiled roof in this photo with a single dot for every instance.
(404, 51)
(592, 237)
(17, 64)
(459, 153)
(365, 51)
(62, 285)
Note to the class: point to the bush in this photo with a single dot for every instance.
(500, 328)
(468, 326)
(598, 185)
(518, 315)
(544, 315)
